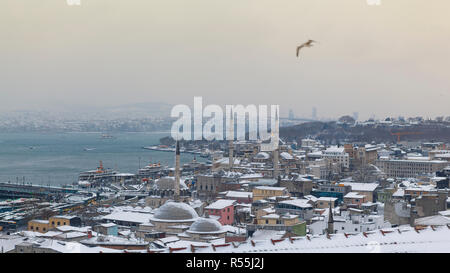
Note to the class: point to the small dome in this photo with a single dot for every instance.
(262, 155)
(206, 225)
(175, 211)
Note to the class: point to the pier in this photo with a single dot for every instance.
(10, 190)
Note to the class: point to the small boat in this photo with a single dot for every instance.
(106, 136)
(89, 149)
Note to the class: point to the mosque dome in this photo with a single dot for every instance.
(175, 211)
(206, 225)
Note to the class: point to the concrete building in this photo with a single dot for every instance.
(410, 167)
(263, 192)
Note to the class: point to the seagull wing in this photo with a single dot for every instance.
(299, 47)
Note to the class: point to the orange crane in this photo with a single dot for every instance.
(398, 134)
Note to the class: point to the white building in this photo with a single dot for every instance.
(337, 155)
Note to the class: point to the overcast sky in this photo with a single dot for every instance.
(385, 60)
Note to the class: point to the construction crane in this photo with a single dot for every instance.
(399, 134)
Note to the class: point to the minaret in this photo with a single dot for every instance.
(230, 143)
(276, 151)
(177, 172)
(330, 229)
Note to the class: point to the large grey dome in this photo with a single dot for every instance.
(206, 225)
(175, 211)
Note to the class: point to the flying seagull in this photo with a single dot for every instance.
(307, 44)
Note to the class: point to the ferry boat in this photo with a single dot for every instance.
(99, 175)
(152, 170)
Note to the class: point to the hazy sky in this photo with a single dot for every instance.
(386, 60)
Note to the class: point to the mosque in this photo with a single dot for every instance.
(178, 218)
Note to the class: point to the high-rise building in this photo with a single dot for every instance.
(291, 114)
(314, 113)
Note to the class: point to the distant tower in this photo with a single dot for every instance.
(314, 113)
(276, 151)
(177, 172)
(291, 114)
(330, 229)
(230, 143)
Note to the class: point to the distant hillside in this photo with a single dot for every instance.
(331, 132)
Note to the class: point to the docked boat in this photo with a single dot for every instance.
(99, 175)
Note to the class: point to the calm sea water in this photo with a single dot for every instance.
(58, 158)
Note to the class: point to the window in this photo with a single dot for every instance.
(59, 223)
(37, 228)
(53, 223)
(267, 221)
(31, 227)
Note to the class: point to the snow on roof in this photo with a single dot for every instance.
(226, 161)
(239, 194)
(271, 216)
(40, 221)
(302, 203)
(107, 225)
(286, 156)
(311, 198)
(262, 155)
(221, 204)
(134, 217)
(71, 235)
(435, 220)
(111, 240)
(335, 149)
(71, 228)
(327, 199)
(270, 188)
(354, 195)
(392, 240)
(361, 186)
(445, 213)
(50, 234)
(399, 193)
(251, 175)
(68, 217)
(8, 243)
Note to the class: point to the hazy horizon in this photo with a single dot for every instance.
(386, 60)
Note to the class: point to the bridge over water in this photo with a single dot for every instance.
(10, 190)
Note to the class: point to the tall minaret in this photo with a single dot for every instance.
(276, 151)
(177, 172)
(230, 143)
(330, 229)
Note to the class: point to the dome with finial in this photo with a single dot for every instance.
(175, 212)
(206, 225)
